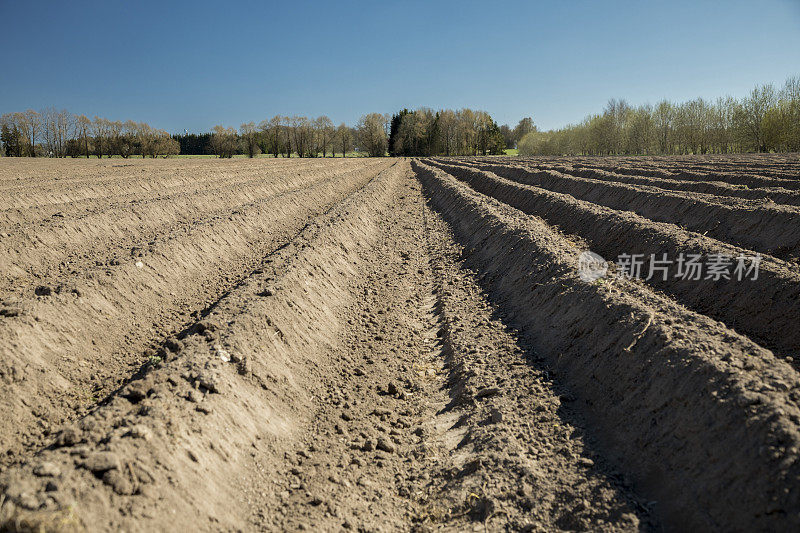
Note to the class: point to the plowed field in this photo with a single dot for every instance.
(395, 344)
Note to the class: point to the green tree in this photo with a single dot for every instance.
(524, 127)
(10, 140)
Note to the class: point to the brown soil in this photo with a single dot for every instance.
(763, 226)
(764, 308)
(383, 345)
(713, 186)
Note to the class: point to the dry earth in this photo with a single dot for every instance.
(393, 344)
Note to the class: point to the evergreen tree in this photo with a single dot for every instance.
(394, 128)
(10, 140)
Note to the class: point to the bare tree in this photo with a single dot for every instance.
(57, 128)
(83, 127)
(325, 132)
(286, 127)
(114, 143)
(300, 135)
(127, 140)
(224, 141)
(146, 139)
(66, 128)
(312, 135)
(271, 129)
(165, 145)
(344, 137)
(249, 137)
(372, 135)
(49, 131)
(100, 133)
(30, 123)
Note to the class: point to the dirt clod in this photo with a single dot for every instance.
(47, 469)
(385, 445)
(486, 392)
(118, 482)
(69, 436)
(43, 290)
(101, 462)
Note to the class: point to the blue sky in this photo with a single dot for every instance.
(192, 65)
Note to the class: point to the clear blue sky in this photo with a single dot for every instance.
(182, 64)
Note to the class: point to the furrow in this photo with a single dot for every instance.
(50, 206)
(767, 228)
(763, 308)
(83, 337)
(232, 393)
(714, 188)
(107, 237)
(701, 418)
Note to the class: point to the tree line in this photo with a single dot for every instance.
(59, 133)
(54, 133)
(765, 120)
(423, 132)
(408, 133)
(292, 136)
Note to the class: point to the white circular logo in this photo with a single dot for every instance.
(591, 266)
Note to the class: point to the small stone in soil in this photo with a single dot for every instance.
(385, 445)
